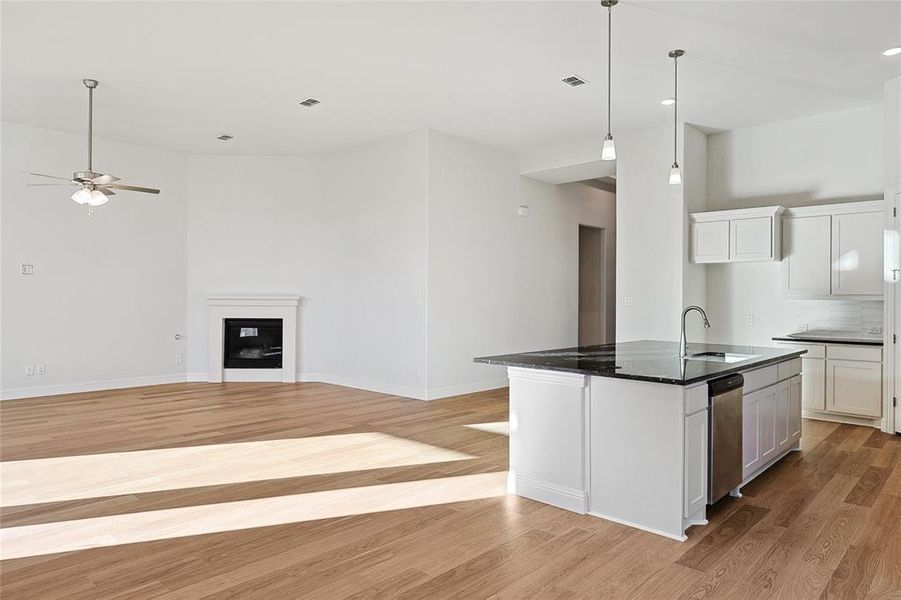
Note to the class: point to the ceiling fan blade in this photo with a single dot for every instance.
(104, 179)
(34, 184)
(105, 191)
(50, 176)
(132, 188)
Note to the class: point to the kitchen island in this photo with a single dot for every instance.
(620, 431)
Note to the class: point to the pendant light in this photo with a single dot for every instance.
(675, 173)
(608, 152)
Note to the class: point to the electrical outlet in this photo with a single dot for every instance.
(178, 359)
(749, 320)
(29, 369)
(26, 269)
(42, 369)
(523, 210)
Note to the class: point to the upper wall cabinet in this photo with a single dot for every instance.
(833, 250)
(743, 235)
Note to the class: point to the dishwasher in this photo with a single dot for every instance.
(724, 464)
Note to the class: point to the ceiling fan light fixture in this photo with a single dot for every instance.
(82, 196)
(97, 198)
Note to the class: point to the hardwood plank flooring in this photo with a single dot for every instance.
(319, 491)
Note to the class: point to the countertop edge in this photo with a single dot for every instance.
(810, 340)
(735, 368)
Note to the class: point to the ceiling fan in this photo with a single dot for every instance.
(94, 188)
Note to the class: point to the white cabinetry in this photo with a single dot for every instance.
(833, 250)
(742, 235)
(695, 462)
(771, 423)
(841, 379)
(806, 241)
(857, 253)
(710, 241)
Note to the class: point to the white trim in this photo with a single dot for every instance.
(90, 386)
(736, 214)
(549, 493)
(678, 538)
(838, 418)
(196, 377)
(467, 388)
(223, 307)
(837, 209)
(555, 377)
(363, 384)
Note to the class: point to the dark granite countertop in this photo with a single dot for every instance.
(831, 338)
(646, 360)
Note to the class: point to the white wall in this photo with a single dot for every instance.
(817, 160)
(825, 158)
(107, 297)
(498, 282)
(649, 236)
(346, 231)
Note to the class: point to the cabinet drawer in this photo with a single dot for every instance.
(760, 378)
(867, 353)
(789, 368)
(695, 399)
(813, 350)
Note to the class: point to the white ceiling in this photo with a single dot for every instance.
(175, 75)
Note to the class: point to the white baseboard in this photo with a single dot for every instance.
(363, 384)
(556, 495)
(201, 377)
(672, 536)
(89, 386)
(848, 420)
(468, 388)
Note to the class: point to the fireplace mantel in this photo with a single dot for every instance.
(243, 306)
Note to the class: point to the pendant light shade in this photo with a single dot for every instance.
(608, 152)
(675, 173)
(82, 196)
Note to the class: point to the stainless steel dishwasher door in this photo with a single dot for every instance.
(725, 443)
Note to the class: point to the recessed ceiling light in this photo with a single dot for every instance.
(225, 137)
(892, 51)
(309, 102)
(574, 81)
(667, 102)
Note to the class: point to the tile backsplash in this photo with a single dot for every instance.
(841, 316)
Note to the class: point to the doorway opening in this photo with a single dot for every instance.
(596, 318)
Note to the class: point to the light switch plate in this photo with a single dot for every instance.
(628, 300)
(27, 269)
(523, 210)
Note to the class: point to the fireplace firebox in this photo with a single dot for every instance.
(252, 344)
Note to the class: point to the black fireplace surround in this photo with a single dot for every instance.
(253, 344)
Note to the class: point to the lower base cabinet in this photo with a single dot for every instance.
(696, 440)
(854, 387)
(771, 423)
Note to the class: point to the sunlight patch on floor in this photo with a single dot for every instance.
(95, 532)
(499, 427)
(97, 475)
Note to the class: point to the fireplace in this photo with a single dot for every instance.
(252, 344)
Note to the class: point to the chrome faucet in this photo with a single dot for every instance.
(683, 344)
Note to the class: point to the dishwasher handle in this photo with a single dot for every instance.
(720, 386)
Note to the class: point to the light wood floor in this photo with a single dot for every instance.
(176, 489)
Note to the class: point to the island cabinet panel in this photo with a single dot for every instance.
(696, 440)
(794, 410)
(549, 411)
(771, 422)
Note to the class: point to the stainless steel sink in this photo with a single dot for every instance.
(724, 357)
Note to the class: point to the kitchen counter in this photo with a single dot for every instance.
(831, 338)
(646, 360)
(620, 431)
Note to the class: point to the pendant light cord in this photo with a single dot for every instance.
(675, 107)
(609, 59)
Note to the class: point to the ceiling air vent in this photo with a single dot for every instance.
(574, 81)
(309, 102)
(225, 137)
